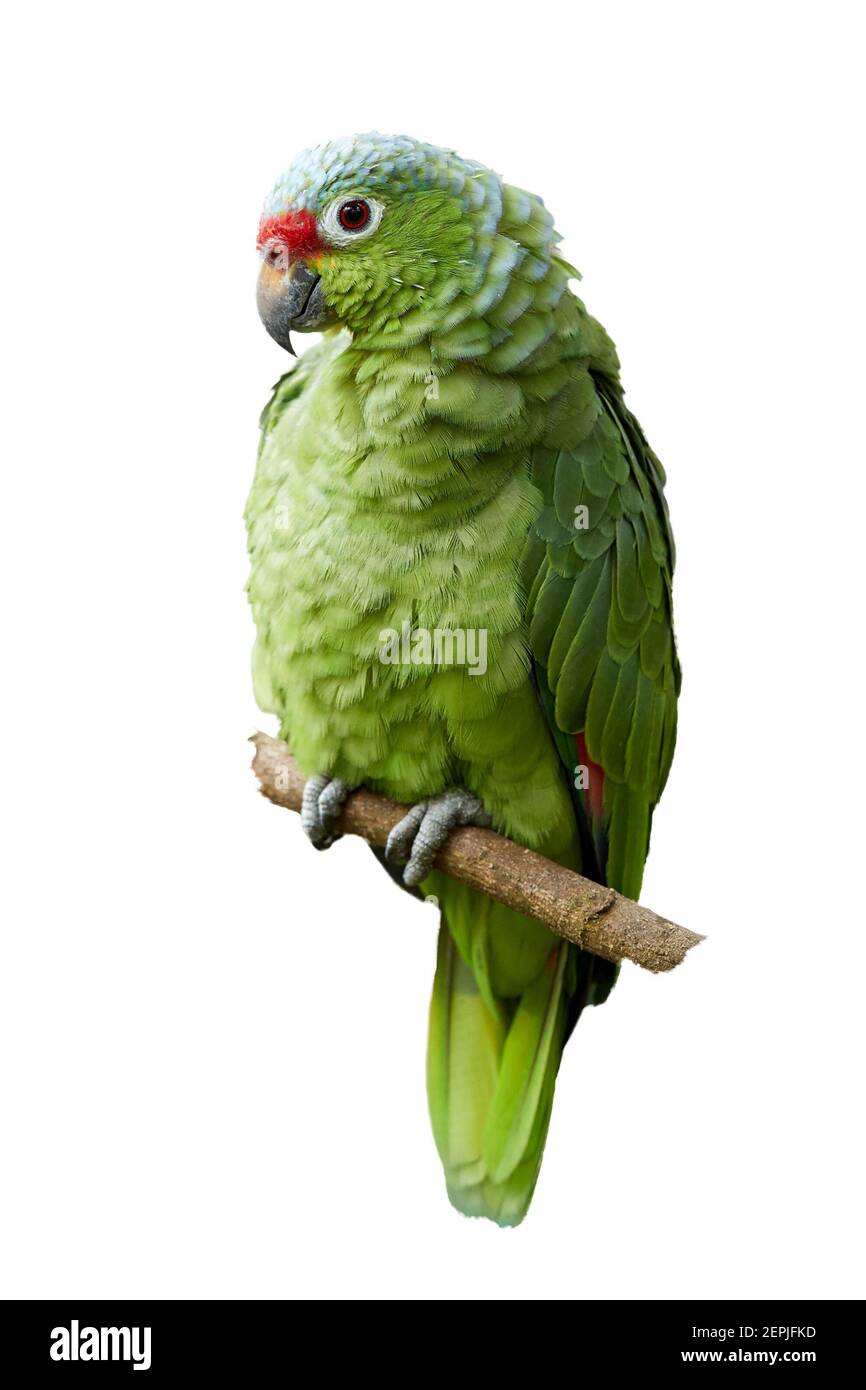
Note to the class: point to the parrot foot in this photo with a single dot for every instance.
(321, 807)
(423, 831)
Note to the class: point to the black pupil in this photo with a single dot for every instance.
(354, 215)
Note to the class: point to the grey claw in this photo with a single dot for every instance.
(426, 828)
(321, 806)
(400, 839)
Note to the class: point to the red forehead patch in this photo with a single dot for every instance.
(296, 231)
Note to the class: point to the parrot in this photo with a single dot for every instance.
(452, 462)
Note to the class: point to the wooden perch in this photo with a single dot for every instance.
(592, 916)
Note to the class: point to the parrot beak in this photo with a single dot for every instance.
(289, 295)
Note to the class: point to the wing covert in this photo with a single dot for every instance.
(598, 571)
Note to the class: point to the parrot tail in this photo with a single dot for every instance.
(491, 1071)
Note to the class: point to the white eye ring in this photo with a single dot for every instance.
(336, 233)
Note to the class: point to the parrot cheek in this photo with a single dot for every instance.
(291, 296)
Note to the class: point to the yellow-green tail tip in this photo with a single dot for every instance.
(491, 1070)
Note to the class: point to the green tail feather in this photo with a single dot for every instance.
(490, 1081)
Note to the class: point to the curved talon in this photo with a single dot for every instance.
(399, 844)
(423, 831)
(321, 806)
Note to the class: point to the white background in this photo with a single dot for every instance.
(212, 1038)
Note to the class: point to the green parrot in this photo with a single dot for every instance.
(461, 569)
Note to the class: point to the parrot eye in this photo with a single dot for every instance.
(354, 215)
(350, 219)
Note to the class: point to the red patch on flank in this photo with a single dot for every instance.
(595, 776)
(295, 231)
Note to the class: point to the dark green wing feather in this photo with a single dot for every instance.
(598, 571)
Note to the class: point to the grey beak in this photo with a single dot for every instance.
(290, 297)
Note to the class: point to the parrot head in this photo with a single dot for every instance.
(376, 233)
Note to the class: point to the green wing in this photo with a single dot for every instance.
(598, 571)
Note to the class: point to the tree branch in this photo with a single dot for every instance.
(592, 916)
